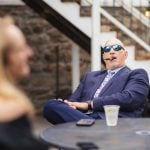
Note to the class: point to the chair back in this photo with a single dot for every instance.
(146, 112)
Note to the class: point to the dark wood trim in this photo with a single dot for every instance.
(60, 23)
(77, 1)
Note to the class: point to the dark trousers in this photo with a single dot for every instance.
(59, 112)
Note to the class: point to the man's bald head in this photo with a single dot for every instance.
(114, 54)
(114, 41)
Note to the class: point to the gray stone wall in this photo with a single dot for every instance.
(46, 80)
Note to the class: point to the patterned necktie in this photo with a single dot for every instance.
(105, 81)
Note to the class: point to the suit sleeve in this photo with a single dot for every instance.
(131, 97)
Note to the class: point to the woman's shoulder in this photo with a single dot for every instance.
(21, 130)
(20, 124)
(10, 110)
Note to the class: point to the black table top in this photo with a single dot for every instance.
(129, 134)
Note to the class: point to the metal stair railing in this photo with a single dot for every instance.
(135, 12)
(143, 30)
(125, 29)
(122, 27)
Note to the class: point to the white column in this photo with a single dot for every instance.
(95, 43)
(75, 66)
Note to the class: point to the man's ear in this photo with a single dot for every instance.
(5, 56)
(103, 57)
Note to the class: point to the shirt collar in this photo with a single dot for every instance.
(115, 70)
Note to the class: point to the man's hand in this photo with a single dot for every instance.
(77, 105)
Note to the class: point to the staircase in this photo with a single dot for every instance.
(65, 15)
(57, 19)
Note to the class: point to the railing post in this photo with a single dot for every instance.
(75, 66)
(57, 72)
(95, 43)
(131, 18)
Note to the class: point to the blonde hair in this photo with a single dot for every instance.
(8, 89)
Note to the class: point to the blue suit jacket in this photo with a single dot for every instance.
(128, 88)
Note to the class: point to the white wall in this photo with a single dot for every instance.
(11, 2)
(133, 64)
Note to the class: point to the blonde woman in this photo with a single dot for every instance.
(15, 107)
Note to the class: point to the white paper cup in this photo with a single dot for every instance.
(111, 114)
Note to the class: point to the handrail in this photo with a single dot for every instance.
(125, 29)
(122, 27)
(136, 13)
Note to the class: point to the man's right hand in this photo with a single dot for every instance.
(77, 105)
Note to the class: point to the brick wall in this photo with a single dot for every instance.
(48, 44)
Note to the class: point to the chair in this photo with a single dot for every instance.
(146, 112)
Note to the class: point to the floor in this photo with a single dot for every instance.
(39, 124)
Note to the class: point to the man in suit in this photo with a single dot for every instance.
(118, 85)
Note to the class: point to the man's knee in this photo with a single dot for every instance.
(52, 106)
(52, 109)
(48, 107)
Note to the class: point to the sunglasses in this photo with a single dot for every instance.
(115, 47)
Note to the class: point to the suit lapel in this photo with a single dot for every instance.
(97, 82)
(114, 78)
(108, 84)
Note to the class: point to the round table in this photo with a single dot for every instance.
(129, 134)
